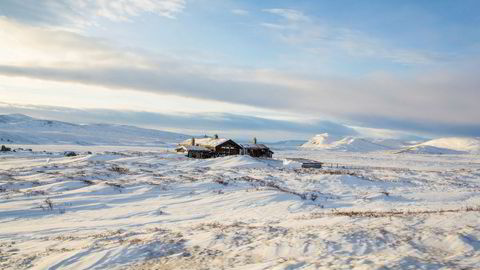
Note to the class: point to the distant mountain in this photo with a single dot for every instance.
(430, 150)
(450, 145)
(326, 141)
(330, 142)
(22, 129)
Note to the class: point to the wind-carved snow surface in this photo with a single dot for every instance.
(135, 209)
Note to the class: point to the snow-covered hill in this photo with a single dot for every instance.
(430, 150)
(22, 129)
(462, 144)
(326, 141)
(448, 146)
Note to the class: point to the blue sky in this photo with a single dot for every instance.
(279, 69)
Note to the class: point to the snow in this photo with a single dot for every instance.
(253, 146)
(326, 141)
(149, 208)
(461, 144)
(208, 142)
(440, 146)
(22, 129)
(193, 148)
(427, 149)
(291, 164)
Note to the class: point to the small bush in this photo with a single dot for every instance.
(221, 182)
(88, 182)
(70, 154)
(48, 204)
(118, 169)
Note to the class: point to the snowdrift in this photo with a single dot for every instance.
(230, 162)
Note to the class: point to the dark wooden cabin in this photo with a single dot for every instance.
(227, 148)
(217, 146)
(257, 150)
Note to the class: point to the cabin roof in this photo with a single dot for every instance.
(254, 146)
(212, 142)
(194, 148)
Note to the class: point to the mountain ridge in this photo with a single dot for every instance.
(23, 129)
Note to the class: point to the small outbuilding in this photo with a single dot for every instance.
(194, 151)
(256, 150)
(307, 163)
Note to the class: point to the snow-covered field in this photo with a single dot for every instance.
(146, 208)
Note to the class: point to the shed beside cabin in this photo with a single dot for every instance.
(194, 151)
(307, 163)
(256, 150)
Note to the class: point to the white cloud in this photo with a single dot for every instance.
(82, 13)
(288, 14)
(121, 10)
(240, 12)
(304, 31)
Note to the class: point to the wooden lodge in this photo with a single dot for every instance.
(218, 147)
(256, 150)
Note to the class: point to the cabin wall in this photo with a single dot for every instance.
(199, 154)
(227, 149)
(259, 153)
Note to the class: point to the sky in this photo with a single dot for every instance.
(271, 69)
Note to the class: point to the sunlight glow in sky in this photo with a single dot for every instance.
(289, 68)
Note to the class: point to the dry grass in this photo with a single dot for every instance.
(88, 182)
(392, 213)
(118, 169)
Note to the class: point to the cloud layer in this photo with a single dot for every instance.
(440, 100)
(189, 123)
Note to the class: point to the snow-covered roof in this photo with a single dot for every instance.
(206, 142)
(194, 148)
(254, 146)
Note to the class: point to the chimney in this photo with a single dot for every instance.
(254, 140)
(193, 141)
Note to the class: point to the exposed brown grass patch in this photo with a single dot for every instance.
(392, 213)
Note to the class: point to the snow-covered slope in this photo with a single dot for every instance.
(348, 144)
(469, 145)
(427, 149)
(22, 129)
